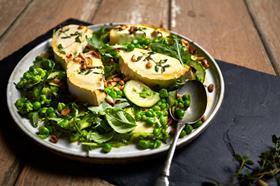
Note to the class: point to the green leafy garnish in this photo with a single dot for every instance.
(120, 121)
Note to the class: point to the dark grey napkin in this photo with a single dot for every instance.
(248, 117)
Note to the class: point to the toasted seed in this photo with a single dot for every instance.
(210, 87)
(203, 118)
(185, 43)
(132, 29)
(121, 87)
(105, 84)
(148, 65)
(109, 100)
(126, 78)
(53, 139)
(65, 112)
(170, 121)
(116, 79)
(191, 49)
(205, 63)
(121, 82)
(134, 58)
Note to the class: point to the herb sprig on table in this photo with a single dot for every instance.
(268, 166)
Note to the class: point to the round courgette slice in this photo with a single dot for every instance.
(140, 94)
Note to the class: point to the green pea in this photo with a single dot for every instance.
(165, 113)
(20, 102)
(182, 134)
(156, 144)
(187, 103)
(159, 113)
(44, 130)
(143, 144)
(45, 91)
(163, 106)
(134, 41)
(144, 118)
(50, 110)
(188, 129)
(156, 131)
(108, 90)
(138, 116)
(197, 124)
(52, 115)
(43, 110)
(163, 119)
(36, 105)
(60, 106)
(54, 89)
(149, 113)
(107, 147)
(27, 107)
(151, 121)
(113, 94)
(163, 101)
(180, 113)
(156, 108)
(186, 97)
(181, 105)
(119, 93)
(64, 123)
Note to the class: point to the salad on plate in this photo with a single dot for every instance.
(110, 87)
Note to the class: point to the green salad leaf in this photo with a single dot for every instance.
(100, 108)
(100, 138)
(120, 121)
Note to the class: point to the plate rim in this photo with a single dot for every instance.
(141, 153)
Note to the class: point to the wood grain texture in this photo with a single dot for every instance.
(42, 177)
(266, 16)
(224, 28)
(40, 16)
(10, 10)
(137, 11)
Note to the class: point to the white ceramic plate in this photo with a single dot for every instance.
(130, 152)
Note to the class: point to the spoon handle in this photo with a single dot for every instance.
(163, 178)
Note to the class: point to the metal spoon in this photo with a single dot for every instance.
(198, 104)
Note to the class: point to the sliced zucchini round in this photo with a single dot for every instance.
(140, 94)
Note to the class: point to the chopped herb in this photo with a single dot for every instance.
(65, 37)
(90, 70)
(156, 68)
(60, 49)
(60, 46)
(77, 39)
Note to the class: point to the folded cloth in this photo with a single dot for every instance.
(246, 121)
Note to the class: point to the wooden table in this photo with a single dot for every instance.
(243, 32)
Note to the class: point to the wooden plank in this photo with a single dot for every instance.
(224, 28)
(41, 16)
(10, 10)
(266, 16)
(137, 11)
(47, 178)
(36, 19)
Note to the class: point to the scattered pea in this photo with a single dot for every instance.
(107, 147)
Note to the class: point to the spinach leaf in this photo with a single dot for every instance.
(120, 121)
(100, 108)
(99, 138)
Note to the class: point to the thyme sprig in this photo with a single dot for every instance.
(268, 166)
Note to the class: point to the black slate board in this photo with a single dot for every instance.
(248, 117)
